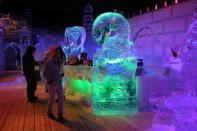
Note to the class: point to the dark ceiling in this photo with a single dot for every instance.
(57, 14)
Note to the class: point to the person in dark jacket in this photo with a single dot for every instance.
(29, 73)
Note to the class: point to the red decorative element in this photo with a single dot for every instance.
(147, 9)
(176, 1)
(165, 3)
(156, 7)
(140, 11)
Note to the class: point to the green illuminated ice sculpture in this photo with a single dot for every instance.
(114, 66)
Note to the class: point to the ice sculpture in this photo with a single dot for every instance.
(74, 39)
(182, 102)
(184, 105)
(40, 49)
(114, 66)
(189, 59)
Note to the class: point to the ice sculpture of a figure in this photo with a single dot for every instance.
(114, 66)
(74, 38)
(189, 59)
(184, 104)
(40, 49)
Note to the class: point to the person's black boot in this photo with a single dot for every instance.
(51, 116)
(46, 89)
(31, 100)
(35, 98)
(61, 119)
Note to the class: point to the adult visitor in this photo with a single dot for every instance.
(28, 68)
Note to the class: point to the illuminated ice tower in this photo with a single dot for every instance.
(90, 44)
(28, 17)
(88, 18)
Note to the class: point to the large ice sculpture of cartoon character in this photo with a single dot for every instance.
(74, 39)
(114, 66)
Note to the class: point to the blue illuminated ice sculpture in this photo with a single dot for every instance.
(114, 66)
(74, 38)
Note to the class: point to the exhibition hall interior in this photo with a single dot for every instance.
(98, 65)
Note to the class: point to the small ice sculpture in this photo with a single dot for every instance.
(114, 66)
(74, 38)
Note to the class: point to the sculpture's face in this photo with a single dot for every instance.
(108, 25)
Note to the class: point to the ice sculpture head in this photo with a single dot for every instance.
(74, 39)
(73, 34)
(112, 30)
(108, 25)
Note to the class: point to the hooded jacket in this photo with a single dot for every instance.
(28, 61)
(52, 71)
